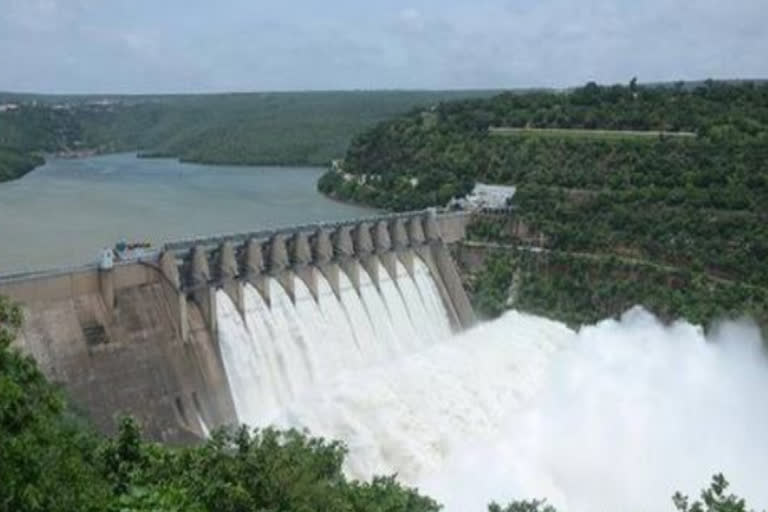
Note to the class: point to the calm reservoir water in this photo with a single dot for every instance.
(64, 212)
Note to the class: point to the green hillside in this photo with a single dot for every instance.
(691, 204)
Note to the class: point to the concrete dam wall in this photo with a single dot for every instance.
(143, 337)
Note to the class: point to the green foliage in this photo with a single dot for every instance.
(585, 288)
(486, 229)
(731, 121)
(14, 163)
(685, 210)
(713, 499)
(46, 462)
(490, 288)
(10, 321)
(385, 494)
(729, 243)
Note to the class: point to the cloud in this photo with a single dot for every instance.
(411, 20)
(177, 45)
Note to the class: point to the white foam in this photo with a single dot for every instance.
(616, 416)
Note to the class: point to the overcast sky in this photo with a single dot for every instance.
(152, 46)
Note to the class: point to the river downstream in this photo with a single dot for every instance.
(64, 212)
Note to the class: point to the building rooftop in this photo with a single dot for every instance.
(486, 196)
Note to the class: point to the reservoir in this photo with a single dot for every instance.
(64, 212)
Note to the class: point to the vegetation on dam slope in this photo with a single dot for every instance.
(696, 205)
(50, 460)
(584, 288)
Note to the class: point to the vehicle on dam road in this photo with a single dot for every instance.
(131, 250)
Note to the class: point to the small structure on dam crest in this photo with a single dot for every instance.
(141, 337)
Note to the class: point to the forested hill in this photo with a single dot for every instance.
(686, 210)
(250, 128)
(429, 156)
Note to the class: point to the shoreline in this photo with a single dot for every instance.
(137, 154)
(255, 163)
(353, 203)
(25, 164)
(91, 153)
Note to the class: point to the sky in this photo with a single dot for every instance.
(165, 46)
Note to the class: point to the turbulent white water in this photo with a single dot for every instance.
(281, 352)
(616, 416)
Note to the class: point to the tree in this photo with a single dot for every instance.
(713, 499)
(44, 458)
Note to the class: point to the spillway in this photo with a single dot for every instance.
(615, 416)
(280, 352)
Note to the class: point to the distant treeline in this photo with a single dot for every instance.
(309, 128)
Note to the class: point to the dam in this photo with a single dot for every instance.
(349, 330)
(214, 331)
